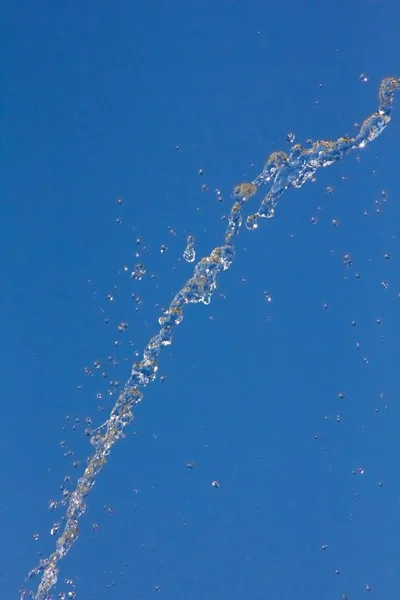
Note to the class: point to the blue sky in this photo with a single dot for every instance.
(130, 100)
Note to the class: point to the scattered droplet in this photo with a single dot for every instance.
(290, 138)
(215, 484)
(120, 200)
(335, 222)
(204, 187)
(138, 272)
(347, 260)
(189, 253)
(329, 189)
(163, 248)
(363, 78)
(191, 464)
(201, 171)
(267, 297)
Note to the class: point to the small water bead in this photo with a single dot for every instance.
(201, 171)
(163, 248)
(329, 189)
(122, 326)
(314, 220)
(138, 272)
(267, 297)
(290, 138)
(219, 195)
(347, 260)
(387, 256)
(215, 484)
(385, 284)
(189, 253)
(191, 464)
(204, 187)
(54, 530)
(324, 547)
(36, 536)
(172, 231)
(335, 222)
(139, 241)
(120, 201)
(163, 378)
(363, 78)
(341, 395)
(368, 587)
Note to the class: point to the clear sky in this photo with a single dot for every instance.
(165, 106)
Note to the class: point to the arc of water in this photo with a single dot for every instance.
(282, 171)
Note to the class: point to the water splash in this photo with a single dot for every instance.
(282, 171)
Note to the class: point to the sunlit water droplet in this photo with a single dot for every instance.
(189, 253)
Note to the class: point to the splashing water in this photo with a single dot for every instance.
(282, 171)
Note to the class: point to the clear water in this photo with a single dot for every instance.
(282, 171)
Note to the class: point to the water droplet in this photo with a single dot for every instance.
(201, 171)
(347, 260)
(385, 284)
(290, 138)
(120, 200)
(387, 256)
(36, 537)
(314, 220)
(138, 272)
(335, 222)
(215, 484)
(341, 395)
(329, 189)
(324, 547)
(191, 464)
(267, 297)
(163, 248)
(189, 253)
(204, 187)
(363, 78)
